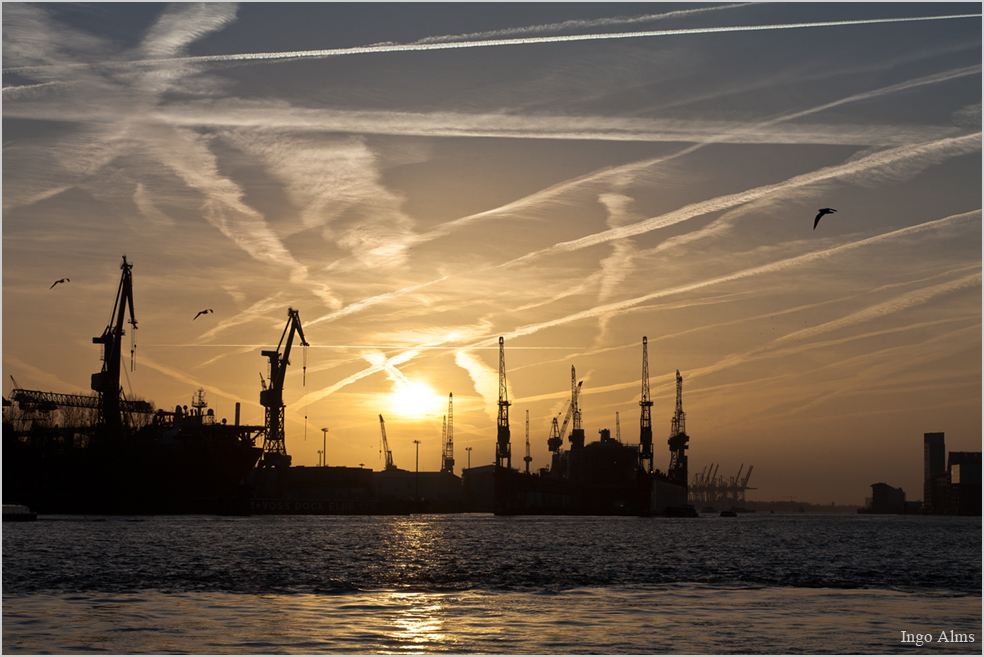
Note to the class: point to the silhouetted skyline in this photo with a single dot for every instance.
(419, 180)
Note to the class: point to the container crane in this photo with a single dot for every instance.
(503, 450)
(107, 381)
(447, 441)
(272, 398)
(645, 420)
(386, 447)
(577, 433)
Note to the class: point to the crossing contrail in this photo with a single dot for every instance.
(487, 43)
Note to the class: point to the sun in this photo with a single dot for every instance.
(414, 399)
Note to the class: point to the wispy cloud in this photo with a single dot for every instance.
(895, 163)
(621, 306)
(897, 304)
(485, 379)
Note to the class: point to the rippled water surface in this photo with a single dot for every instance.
(482, 584)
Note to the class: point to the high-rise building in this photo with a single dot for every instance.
(934, 467)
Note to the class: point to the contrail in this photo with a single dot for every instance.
(746, 273)
(551, 193)
(907, 300)
(952, 146)
(450, 45)
(372, 301)
(577, 24)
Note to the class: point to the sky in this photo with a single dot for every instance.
(419, 180)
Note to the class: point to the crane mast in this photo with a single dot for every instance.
(528, 458)
(678, 438)
(503, 450)
(646, 420)
(386, 448)
(272, 398)
(570, 411)
(577, 433)
(447, 460)
(107, 381)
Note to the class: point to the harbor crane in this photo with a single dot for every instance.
(272, 398)
(447, 440)
(577, 433)
(528, 458)
(570, 413)
(386, 448)
(503, 450)
(678, 438)
(107, 382)
(645, 420)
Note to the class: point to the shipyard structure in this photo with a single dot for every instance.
(604, 477)
(108, 454)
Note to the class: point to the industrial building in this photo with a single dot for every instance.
(952, 485)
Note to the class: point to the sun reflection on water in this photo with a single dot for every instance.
(418, 622)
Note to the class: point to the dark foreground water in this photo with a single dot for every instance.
(759, 583)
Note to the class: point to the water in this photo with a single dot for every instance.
(759, 583)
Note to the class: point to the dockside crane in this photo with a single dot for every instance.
(447, 460)
(107, 381)
(645, 420)
(528, 458)
(503, 449)
(678, 438)
(577, 433)
(272, 398)
(386, 448)
(567, 419)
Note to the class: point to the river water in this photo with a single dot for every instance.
(759, 583)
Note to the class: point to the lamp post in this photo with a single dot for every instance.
(416, 470)
(468, 449)
(324, 444)
(319, 457)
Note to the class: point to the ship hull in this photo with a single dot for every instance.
(139, 475)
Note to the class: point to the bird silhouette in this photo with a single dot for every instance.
(823, 211)
(61, 280)
(201, 312)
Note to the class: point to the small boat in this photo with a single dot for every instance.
(18, 512)
(729, 514)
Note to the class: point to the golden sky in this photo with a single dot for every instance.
(419, 180)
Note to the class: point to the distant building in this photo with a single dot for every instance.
(934, 467)
(886, 499)
(952, 486)
(441, 490)
(964, 470)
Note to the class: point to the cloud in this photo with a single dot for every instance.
(895, 163)
(627, 304)
(485, 379)
(898, 304)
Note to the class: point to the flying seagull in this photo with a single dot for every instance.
(202, 312)
(61, 280)
(823, 211)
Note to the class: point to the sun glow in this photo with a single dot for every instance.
(415, 400)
